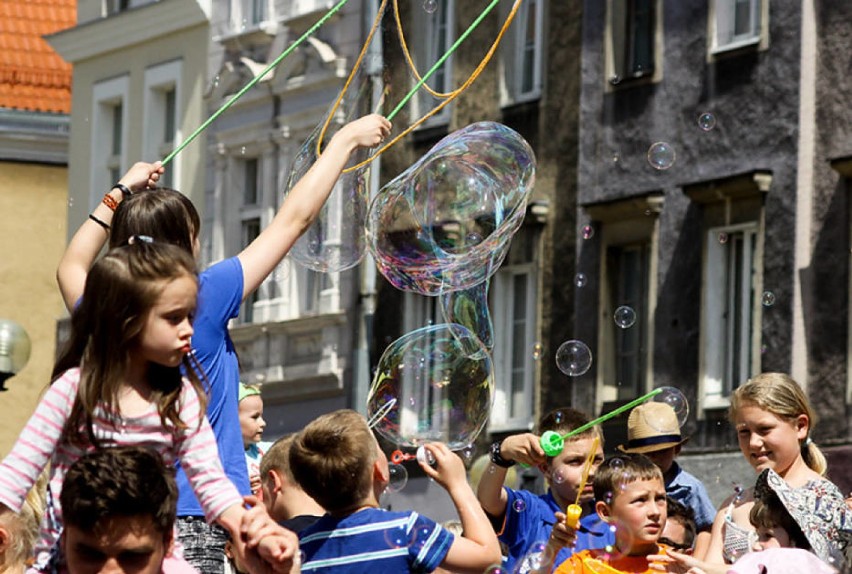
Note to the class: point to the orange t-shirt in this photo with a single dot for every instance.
(597, 562)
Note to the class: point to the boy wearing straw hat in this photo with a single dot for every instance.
(653, 430)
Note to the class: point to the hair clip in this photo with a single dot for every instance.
(133, 239)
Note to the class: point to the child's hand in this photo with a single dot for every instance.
(562, 536)
(142, 175)
(523, 448)
(679, 563)
(269, 547)
(449, 468)
(368, 131)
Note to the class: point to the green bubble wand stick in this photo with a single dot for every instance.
(552, 442)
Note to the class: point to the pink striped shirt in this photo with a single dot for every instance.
(40, 442)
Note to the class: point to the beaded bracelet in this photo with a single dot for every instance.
(125, 191)
(99, 221)
(110, 202)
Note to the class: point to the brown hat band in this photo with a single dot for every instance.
(651, 440)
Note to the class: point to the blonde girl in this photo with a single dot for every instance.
(774, 422)
(118, 382)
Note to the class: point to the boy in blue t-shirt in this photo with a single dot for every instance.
(523, 519)
(338, 462)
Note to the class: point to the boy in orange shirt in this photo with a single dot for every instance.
(630, 493)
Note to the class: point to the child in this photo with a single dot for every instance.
(169, 216)
(773, 420)
(630, 492)
(18, 532)
(119, 382)
(679, 531)
(339, 463)
(653, 430)
(285, 500)
(520, 517)
(119, 510)
(808, 518)
(251, 426)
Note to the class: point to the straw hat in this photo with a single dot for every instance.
(650, 427)
(817, 507)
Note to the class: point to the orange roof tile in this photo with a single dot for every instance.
(33, 76)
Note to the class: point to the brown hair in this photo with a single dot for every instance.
(780, 395)
(332, 460)
(565, 420)
(121, 288)
(277, 458)
(620, 469)
(122, 481)
(769, 512)
(163, 214)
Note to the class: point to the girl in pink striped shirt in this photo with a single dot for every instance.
(118, 382)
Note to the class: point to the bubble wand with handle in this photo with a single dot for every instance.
(552, 442)
(574, 511)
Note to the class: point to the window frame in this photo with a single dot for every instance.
(715, 392)
(615, 46)
(759, 37)
(425, 54)
(506, 350)
(160, 81)
(513, 56)
(107, 96)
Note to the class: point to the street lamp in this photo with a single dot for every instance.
(14, 350)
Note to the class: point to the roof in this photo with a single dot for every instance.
(32, 76)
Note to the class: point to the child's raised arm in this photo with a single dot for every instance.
(523, 448)
(305, 200)
(84, 247)
(477, 548)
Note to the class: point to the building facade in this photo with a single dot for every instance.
(35, 100)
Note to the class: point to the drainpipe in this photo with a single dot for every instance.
(367, 270)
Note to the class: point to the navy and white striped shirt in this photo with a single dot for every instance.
(375, 541)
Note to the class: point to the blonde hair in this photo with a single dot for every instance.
(24, 526)
(780, 395)
(277, 458)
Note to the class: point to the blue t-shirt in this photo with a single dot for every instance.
(220, 293)
(374, 541)
(529, 519)
(690, 492)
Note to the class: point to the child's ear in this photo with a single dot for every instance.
(544, 467)
(169, 541)
(803, 424)
(277, 481)
(5, 539)
(381, 473)
(603, 510)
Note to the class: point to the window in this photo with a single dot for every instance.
(628, 287)
(434, 36)
(514, 292)
(250, 229)
(248, 171)
(634, 33)
(629, 231)
(737, 23)
(420, 311)
(112, 7)
(162, 94)
(732, 279)
(108, 133)
(248, 14)
(522, 55)
(729, 309)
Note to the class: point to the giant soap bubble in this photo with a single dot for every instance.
(446, 222)
(432, 384)
(335, 240)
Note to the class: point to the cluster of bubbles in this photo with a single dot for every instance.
(442, 228)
